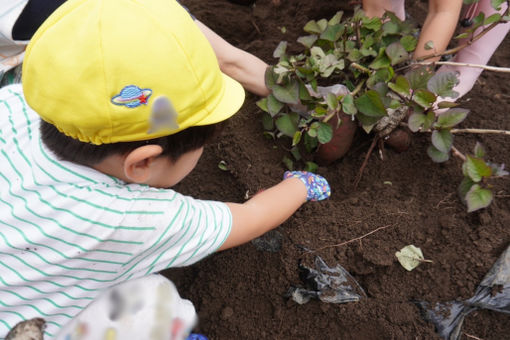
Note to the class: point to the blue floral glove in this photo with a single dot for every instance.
(317, 187)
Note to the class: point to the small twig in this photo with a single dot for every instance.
(365, 161)
(457, 153)
(452, 63)
(256, 27)
(355, 239)
(472, 336)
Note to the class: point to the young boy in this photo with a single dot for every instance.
(129, 92)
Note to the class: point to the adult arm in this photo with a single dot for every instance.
(439, 27)
(242, 66)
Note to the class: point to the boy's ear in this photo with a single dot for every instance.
(137, 163)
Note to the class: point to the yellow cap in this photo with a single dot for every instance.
(107, 71)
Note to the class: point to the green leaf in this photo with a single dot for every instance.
(223, 166)
(479, 150)
(451, 117)
(332, 33)
(464, 188)
(288, 94)
(446, 104)
(396, 52)
(462, 35)
(418, 77)
(429, 120)
(429, 45)
(367, 122)
(442, 140)
(310, 143)
(296, 138)
(370, 104)
(424, 98)
(401, 86)
(496, 4)
(304, 94)
(373, 24)
(273, 105)
(348, 105)
(436, 155)
(312, 130)
(323, 24)
(443, 83)
(267, 121)
(336, 18)
(389, 27)
(416, 121)
(476, 168)
(288, 124)
(270, 77)
(492, 19)
(308, 40)
(478, 198)
(409, 42)
(262, 104)
(280, 49)
(380, 76)
(311, 167)
(289, 164)
(269, 135)
(324, 133)
(410, 257)
(332, 101)
(312, 27)
(381, 61)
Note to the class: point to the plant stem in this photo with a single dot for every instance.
(361, 68)
(458, 154)
(452, 63)
(358, 88)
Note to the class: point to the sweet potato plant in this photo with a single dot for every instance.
(385, 89)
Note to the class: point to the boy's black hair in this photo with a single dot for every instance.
(174, 146)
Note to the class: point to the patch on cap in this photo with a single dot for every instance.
(132, 96)
(163, 115)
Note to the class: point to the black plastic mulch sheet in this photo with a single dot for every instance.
(493, 293)
(332, 285)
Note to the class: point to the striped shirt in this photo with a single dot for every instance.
(67, 231)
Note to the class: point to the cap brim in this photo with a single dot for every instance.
(231, 101)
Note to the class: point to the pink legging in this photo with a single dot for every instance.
(478, 53)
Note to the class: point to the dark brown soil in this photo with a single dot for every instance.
(239, 293)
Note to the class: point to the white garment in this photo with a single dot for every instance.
(147, 308)
(68, 232)
(11, 51)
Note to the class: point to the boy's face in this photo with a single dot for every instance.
(166, 173)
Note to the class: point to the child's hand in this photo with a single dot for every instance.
(317, 186)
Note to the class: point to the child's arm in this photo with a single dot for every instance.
(273, 206)
(242, 66)
(439, 27)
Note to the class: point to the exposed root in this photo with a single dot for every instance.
(363, 166)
